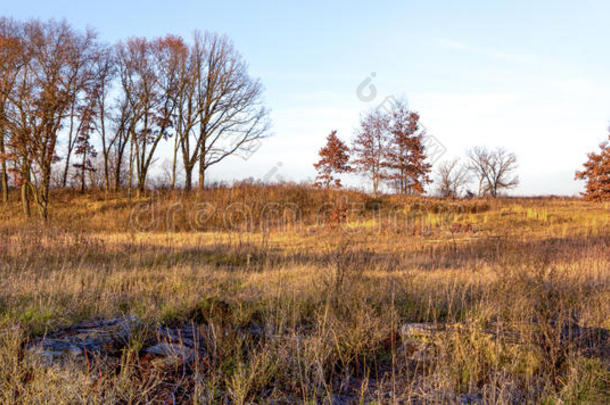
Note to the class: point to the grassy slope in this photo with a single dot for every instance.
(508, 272)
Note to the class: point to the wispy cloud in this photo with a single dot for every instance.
(489, 53)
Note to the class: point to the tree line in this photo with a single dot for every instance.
(67, 99)
(388, 148)
(61, 86)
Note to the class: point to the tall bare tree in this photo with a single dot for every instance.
(120, 119)
(104, 72)
(495, 169)
(190, 108)
(232, 116)
(452, 177)
(149, 82)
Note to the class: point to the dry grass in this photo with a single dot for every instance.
(513, 284)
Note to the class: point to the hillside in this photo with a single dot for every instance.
(298, 294)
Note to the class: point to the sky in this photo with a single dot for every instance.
(532, 77)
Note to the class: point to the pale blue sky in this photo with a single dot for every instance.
(533, 77)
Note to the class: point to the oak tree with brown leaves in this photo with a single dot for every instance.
(405, 156)
(51, 75)
(370, 146)
(334, 160)
(596, 172)
(389, 147)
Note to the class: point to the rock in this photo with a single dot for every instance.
(417, 340)
(166, 349)
(418, 330)
(117, 329)
(172, 347)
(338, 399)
(54, 349)
(186, 336)
(93, 337)
(470, 399)
(171, 355)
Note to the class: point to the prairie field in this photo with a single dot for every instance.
(295, 294)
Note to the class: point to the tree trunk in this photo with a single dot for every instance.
(64, 180)
(42, 196)
(4, 181)
(70, 144)
(375, 185)
(202, 169)
(130, 177)
(188, 177)
(141, 189)
(105, 149)
(117, 172)
(175, 158)
(3, 171)
(44, 212)
(106, 173)
(82, 174)
(201, 177)
(117, 177)
(25, 201)
(142, 171)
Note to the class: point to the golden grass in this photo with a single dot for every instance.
(332, 298)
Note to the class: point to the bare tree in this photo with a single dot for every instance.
(233, 118)
(120, 120)
(149, 82)
(190, 108)
(452, 177)
(495, 169)
(104, 72)
(96, 177)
